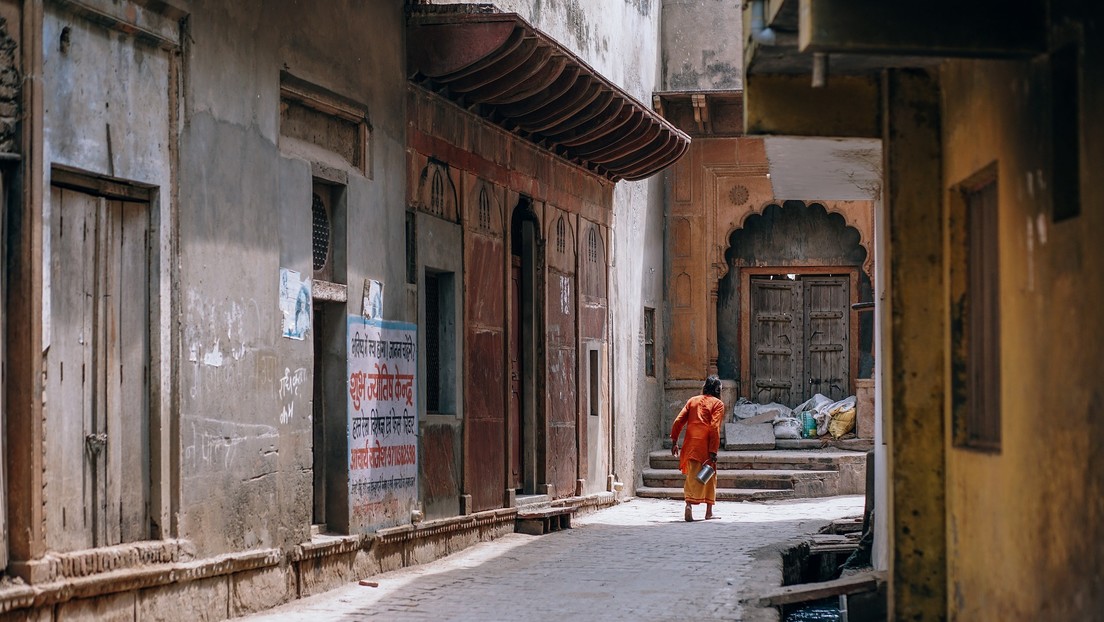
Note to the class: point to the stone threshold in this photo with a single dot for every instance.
(135, 567)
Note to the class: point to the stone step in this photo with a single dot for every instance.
(804, 483)
(767, 459)
(723, 494)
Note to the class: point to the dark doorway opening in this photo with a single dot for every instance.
(524, 434)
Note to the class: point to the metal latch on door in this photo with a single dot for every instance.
(95, 443)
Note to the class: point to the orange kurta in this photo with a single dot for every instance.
(701, 416)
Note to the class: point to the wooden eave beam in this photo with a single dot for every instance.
(847, 107)
(974, 29)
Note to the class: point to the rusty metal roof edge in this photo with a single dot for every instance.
(448, 17)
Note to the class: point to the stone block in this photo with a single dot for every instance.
(42, 614)
(749, 436)
(256, 590)
(203, 599)
(110, 608)
(852, 474)
(324, 573)
(864, 408)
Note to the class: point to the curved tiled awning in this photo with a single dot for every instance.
(512, 74)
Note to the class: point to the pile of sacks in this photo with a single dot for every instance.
(832, 417)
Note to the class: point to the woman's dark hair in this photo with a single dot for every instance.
(712, 387)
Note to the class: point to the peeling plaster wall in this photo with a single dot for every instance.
(1025, 525)
(701, 45)
(245, 391)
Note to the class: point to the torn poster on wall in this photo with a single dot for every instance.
(372, 305)
(383, 423)
(295, 304)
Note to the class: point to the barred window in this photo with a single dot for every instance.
(592, 245)
(320, 234)
(561, 236)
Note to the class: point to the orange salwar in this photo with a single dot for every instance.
(701, 416)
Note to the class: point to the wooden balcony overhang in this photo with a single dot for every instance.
(501, 68)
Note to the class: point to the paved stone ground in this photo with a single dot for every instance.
(636, 561)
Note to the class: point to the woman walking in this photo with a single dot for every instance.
(701, 416)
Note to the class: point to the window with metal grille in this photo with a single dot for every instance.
(484, 209)
(649, 342)
(437, 193)
(976, 323)
(320, 234)
(561, 235)
(592, 245)
(433, 342)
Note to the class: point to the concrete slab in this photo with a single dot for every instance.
(739, 436)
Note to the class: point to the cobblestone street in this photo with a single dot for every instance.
(635, 561)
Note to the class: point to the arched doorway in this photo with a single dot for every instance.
(785, 327)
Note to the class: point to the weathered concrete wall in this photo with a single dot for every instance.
(701, 45)
(244, 213)
(1024, 524)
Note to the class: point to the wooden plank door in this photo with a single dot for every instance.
(517, 481)
(827, 327)
(97, 407)
(125, 294)
(70, 457)
(775, 334)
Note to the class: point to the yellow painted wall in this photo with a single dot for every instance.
(1025, 528)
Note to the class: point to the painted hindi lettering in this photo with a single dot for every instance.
(383, 423)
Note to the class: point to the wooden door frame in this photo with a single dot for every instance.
(744, 337)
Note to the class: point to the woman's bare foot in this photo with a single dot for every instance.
(688, 515)
(712, 517)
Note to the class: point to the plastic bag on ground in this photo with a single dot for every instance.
(780, 411)
(822, 421)
(847, 403)
(814, 403)
(744, 409)
(842, 422)
(787, 428)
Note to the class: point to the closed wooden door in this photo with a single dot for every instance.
(776, 335)
(827, 327)
(97, 407)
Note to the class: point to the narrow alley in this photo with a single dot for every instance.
(635, 561)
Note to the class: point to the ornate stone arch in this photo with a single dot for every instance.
(858, 215)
